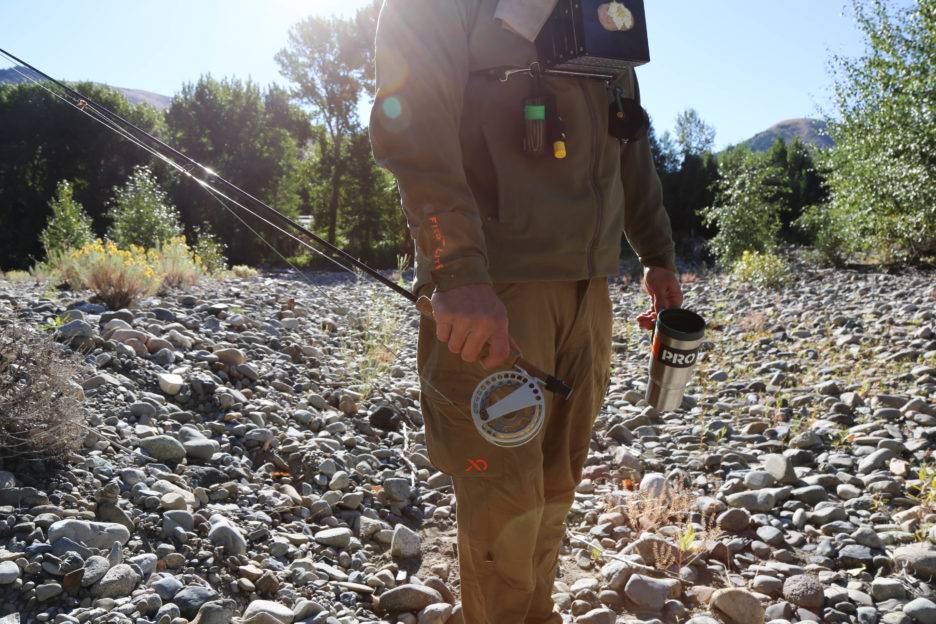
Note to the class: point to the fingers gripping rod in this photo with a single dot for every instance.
(551, 383)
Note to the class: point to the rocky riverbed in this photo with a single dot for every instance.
(254, 453)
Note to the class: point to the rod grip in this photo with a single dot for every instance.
(553, 384)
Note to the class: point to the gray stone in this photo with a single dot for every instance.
(118, 582)
(405, 543)
(167, 586)
(437, 613)
(875, 461)
(337, 538)
(190, 599)
(163, 448)
(759, 479)
(170, 384)
(231, 357)
(225, 533)
(804, 591)
(9, 572)
(921, 610)
(267, 612)
(883, 588)
(411, 598)
(866, 536)
(646, 592)
(92, 534)
(757, 501)
(305, 609)
(95, 568)
(919, 558)
(855, 556)
(780, 469)
(216, 612)
(734, 520)
(653, 485)
(602, 615)
(397, 489)
(48, 591)
(739, 605)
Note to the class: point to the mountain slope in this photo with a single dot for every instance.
(134, 96)
(809, 131)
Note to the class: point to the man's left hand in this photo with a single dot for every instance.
(665, 292)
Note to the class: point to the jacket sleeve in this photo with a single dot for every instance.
(422, 70)
(646, 224)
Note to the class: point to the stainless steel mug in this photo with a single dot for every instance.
(676, 341)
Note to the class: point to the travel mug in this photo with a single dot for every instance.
(676, 341)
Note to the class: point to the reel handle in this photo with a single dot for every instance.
(553, 384)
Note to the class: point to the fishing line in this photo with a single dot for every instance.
(113, 122)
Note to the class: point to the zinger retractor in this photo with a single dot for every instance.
(509, 408)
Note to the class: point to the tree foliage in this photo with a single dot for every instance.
(253, 138)
(141, 213)
(693, 135)
(749, 200)
(43, 141)
(69, 226)
(330, 62)
(883, 167)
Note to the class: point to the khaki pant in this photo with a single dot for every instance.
(512, 503)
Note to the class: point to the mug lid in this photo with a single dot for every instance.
(681, 324)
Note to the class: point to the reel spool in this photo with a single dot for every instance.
(509, 408)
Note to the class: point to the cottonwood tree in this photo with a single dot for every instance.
(330, 62)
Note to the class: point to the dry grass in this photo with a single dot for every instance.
(672, 516)
(18, 276)
(41, 416)
(243, 271)
(179, 266)
(379, 341)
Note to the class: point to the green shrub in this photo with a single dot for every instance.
(765, 270)
(828, 231)
(747, 208)
(883, 166)
(70, 226)
(118, 277)
(176, 264)
(142, 214)
(210, 251)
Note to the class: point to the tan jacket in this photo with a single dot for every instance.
(479, 209)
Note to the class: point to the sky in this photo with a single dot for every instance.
(744, 65)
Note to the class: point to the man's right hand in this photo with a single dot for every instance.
(468, 318)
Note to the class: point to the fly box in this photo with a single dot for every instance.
(594, 38)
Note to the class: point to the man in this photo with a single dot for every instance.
(511, 246)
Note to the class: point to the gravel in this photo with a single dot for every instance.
(247, 461)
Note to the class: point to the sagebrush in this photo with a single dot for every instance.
(41, 413)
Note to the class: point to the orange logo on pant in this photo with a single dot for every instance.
(479, 465)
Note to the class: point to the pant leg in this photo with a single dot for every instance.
(584, 360)
(500, 492)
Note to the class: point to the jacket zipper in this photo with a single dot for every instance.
(596, 189)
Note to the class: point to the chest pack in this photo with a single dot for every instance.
(585, 39)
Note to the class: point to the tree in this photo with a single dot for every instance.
(253, 138)
(883, 167)
(70, 226)
(373, 221)
(43, 141)
(748, 202)
(694, 136)
(330, 63)
(805, 184)
(142, 213)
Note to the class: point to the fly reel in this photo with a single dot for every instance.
(509, 408)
